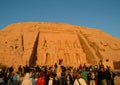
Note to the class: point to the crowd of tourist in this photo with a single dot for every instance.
(57, 75)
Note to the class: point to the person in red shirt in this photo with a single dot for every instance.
(41, 80)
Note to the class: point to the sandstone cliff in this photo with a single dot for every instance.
(42, 43)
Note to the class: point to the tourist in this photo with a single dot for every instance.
(1, 77)
(33, 77)
(20, 70)
(92, 77)
(68, 77)
(110, 76)
(27, 80)
(102, 76)
(53, 80)
(85, 74)
(41, 80)
(79, 80)
(16, 78)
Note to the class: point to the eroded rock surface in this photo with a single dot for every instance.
(42, 43)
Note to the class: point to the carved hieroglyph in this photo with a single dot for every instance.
(40, 43)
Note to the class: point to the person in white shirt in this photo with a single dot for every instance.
(79, 80)
(27, 80)
(50, 82)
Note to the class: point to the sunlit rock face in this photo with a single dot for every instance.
(42, 43)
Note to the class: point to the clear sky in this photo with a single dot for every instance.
(101, 14)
